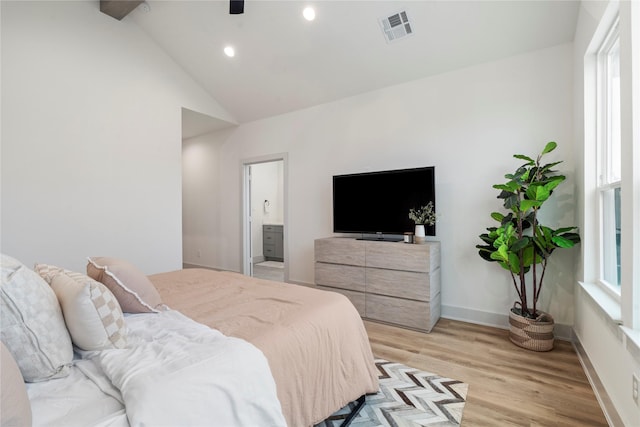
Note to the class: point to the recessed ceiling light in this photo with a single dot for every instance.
(230, 51)
(309, 14)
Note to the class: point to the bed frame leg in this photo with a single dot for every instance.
(360, 403)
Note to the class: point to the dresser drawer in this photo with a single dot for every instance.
(408, 313)
(269, 250)
(272, 228)
(399, 256)
(340, 251)
(271, 238)
(402, 284)
(340, 276)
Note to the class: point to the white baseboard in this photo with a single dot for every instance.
(561, 331)
(609, 410)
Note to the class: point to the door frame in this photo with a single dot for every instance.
(247, 266)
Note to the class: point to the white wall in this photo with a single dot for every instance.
(467, 123)
(91, 138)
(611, 353)
(200, 199)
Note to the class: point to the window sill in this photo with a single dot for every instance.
(607, 304)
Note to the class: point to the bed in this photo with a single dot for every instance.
(314, 340)
(188, 347)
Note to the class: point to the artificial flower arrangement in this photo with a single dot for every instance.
(425, 215)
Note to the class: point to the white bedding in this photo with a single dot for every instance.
(174, 371)
(74, 401)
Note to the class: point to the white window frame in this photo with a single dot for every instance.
(608, 257)
(622, 308)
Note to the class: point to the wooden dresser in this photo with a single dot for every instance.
(391, 282)
(272, 242)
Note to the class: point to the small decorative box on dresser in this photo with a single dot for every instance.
(391, 282)
(272, 242)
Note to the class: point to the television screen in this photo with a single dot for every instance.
(379, 202)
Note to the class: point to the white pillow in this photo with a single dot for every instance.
(31, 323)
(92, 314)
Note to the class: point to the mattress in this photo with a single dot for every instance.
(314, 340)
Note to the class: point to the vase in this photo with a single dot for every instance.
(420, 234)
(532, 334)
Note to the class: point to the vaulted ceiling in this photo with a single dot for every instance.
(284, 62)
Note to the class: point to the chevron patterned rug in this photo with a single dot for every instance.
(408, 397)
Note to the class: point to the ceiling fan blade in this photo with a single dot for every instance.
(236, 7)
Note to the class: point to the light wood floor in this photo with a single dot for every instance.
(508, 385)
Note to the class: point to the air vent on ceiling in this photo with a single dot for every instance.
(396, 26)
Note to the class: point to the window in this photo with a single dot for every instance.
(609, 158)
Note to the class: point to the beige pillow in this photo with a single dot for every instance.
(48, 272)
(92, 314)
(81, 304)
(134, 291)
(31, 323)
(15, 408)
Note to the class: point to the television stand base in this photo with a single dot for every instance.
(381, 239)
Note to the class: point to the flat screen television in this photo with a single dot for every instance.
(377, 203)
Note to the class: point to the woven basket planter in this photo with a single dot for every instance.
(532, 334)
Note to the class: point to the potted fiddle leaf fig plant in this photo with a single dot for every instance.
(522, 245)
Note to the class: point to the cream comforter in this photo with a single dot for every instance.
(314, 341)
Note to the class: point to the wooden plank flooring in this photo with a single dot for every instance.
(508, 385)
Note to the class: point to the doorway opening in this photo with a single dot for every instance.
(265, 246)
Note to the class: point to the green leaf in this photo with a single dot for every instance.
(502, 187)
(561, 242)
(520, 172)
(511, 203)
(523, 157)
(503, 252)
(528, 256)
(549, 147)
(554, 182)
(486, 255)
(514, 263)
(543, 237)
(487, 239)
(525, 205)
(520, 244)
(496, 256)
(497, 216)
(510, 187)
(547, 167)
(574, 237)
(504, 265)
(538, 193)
